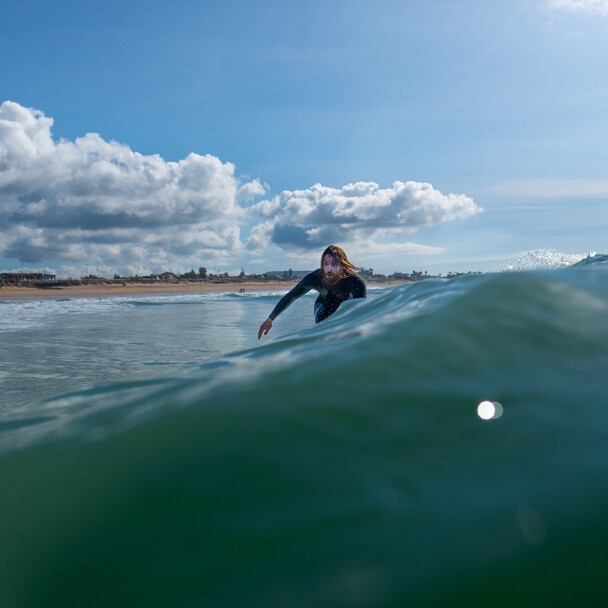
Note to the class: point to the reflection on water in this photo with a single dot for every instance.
(50, 347)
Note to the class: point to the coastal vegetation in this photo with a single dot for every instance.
(205, 277)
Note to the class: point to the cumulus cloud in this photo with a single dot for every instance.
(90, 198)
(589, 6)
(357, 213)
(97, 202)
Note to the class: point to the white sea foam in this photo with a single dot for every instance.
(544, 259)
(26, 313)
(20, 314)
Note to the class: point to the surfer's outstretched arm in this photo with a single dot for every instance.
(265, 327)
(310, 281)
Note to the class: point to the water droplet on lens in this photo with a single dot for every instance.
(532, 526)
(489, 410)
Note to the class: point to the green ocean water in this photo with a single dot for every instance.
(343, 464)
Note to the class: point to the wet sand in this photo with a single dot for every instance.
(108, 289)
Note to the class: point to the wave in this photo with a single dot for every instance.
(544, 259)
(345, 464)
(593, 260)
(33, 313)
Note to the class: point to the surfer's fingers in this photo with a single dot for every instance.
(265, 328)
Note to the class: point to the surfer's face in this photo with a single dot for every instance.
(332, 270)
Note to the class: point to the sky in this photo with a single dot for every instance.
(429, 135)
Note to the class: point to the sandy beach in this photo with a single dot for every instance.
(111, 289)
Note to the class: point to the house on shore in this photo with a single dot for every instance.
(167, 276)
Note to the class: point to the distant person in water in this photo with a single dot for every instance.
(336, 281)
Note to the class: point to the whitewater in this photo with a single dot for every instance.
(441, 443)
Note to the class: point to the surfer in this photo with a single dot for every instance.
(335, 280)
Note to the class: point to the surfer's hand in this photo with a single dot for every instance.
(265, 327)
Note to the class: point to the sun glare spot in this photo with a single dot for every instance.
(489, 410)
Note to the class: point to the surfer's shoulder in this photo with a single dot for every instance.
(356, 285)
(353, 278)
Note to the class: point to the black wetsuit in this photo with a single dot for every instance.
(330, 296)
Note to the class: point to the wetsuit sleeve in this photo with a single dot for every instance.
(304, 286)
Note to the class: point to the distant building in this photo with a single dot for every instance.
(282, 273)
(27, 276)
(166, 276)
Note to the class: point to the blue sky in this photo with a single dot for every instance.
(427, 134)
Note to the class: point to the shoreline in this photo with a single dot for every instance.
(108, 289)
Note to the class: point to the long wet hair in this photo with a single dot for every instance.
(337, 253)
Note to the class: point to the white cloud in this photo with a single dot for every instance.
(588, 6)
(96, 202)
(355, 213)
(381, 250)
(90, 199)
(248, 191)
